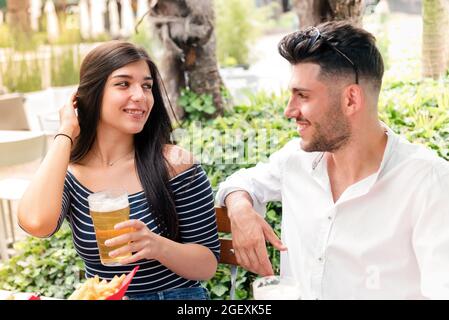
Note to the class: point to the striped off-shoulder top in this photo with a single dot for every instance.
(197, 224)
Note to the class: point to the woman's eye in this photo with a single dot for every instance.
(147, 86)
(123, 84)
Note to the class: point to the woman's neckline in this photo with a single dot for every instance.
(135, 193)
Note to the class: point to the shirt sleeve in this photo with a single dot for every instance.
(262, 182)
(431, 238)
(194, 202)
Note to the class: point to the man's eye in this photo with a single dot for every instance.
(302, 96)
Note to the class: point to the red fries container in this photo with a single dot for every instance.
(124, 286)
(116, 296)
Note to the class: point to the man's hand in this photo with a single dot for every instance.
(249, 233)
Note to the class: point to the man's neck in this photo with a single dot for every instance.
(360, 158)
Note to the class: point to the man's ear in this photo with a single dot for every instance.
(353, 99)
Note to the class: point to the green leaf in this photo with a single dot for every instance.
(219, 290)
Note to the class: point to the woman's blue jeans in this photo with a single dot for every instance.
(194, 293)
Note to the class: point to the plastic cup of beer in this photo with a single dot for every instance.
(276, 288)
(107, 208)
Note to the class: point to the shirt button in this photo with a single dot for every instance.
(320, 259)
(329, 218)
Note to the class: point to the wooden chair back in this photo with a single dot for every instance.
(227, 255)
(224, 225)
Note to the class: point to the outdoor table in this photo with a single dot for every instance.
(16, 135)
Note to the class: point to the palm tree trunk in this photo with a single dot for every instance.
(313, 12)
(18, 16)
(351, 10)
(435, 41)
(308, 12)
(186, 29)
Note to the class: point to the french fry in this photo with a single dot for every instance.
(94, 289)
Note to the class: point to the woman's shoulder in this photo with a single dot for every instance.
(75, 170)
(73, 174)
(179, 159)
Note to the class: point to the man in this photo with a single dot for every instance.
(365, 213)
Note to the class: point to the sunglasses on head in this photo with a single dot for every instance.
(313, 34)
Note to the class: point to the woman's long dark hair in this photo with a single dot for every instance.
(151, 165)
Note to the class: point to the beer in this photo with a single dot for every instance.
(107, 208)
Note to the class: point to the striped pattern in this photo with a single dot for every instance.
(197, 224)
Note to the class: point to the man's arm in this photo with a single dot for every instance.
(245, 194)
(249, 233)
(431, 238)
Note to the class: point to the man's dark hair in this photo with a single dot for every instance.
(357, 44)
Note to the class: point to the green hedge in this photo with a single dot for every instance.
(50, 267)
(417, 110)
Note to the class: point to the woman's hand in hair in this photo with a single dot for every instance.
(142, 243)
(68, 118)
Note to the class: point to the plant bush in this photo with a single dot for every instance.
(146, 38)
(22, 72)
(236, 27)
(196, 106)
(21, 75)
(65, 66)
(20, 41)
(49, 267)
(418, 110)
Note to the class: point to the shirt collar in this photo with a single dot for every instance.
(318, 168)
(392, 141)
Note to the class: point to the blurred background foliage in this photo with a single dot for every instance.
(239, 23)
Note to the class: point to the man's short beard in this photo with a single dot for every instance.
(335, 133)
(323, 144)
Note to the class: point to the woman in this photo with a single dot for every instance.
(121, 138)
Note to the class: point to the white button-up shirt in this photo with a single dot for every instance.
(387, 236)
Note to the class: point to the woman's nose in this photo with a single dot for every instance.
(137, 93)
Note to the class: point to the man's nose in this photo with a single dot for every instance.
(291, 110)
